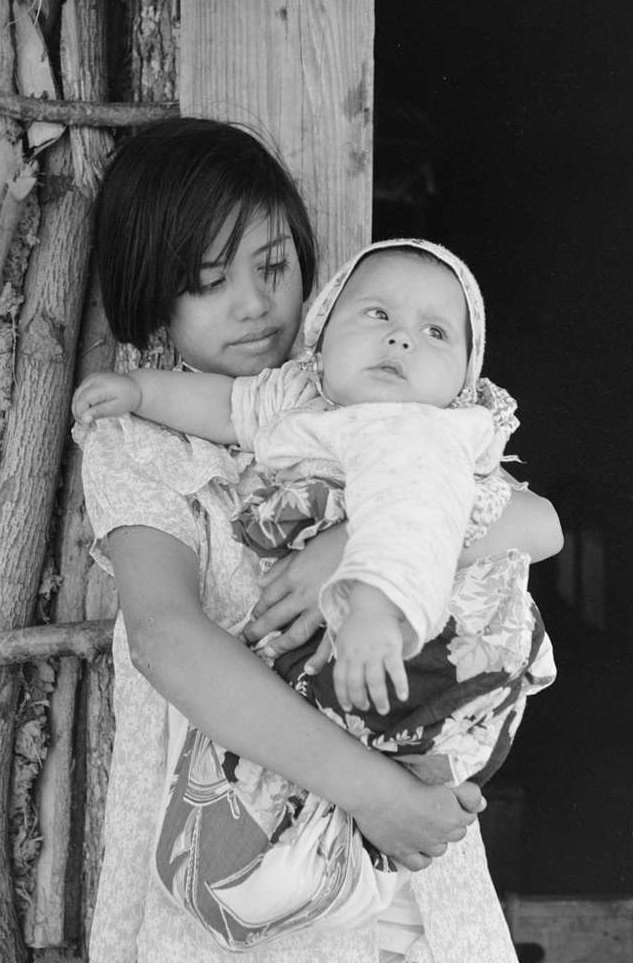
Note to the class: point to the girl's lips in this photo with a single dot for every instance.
(256, 339)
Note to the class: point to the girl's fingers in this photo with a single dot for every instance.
(454, 835)
(320, 658)
(300, 632)
(271, 594)
(469, 797)
(436, 849)
(276, 618)
(275, 571)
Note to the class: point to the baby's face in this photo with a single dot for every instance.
(398, 332)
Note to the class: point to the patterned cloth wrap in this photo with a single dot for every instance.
(467, 687)
(253, 857)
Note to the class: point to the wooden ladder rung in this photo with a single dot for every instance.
(86, 640)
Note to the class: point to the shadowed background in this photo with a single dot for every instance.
(506, 133)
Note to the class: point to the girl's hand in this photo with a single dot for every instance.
(414, 822)
(289, 601)
(104, 395)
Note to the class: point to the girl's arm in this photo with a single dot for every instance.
(290, 590)
(529, 523)
(198, 404)
(231, 695)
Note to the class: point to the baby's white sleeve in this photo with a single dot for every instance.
(409, 489)
(256, 400)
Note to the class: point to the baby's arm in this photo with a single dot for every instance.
(369, 647)
(198, 404)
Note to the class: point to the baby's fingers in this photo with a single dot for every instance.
(394, 665)
(87, 402)
(377, 685)
(349, 683)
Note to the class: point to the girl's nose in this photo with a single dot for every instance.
(253, 299)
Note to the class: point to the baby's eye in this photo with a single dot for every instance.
(377, 314)
(434, 331)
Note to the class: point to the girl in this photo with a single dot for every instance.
(384, 401)
(180, 200)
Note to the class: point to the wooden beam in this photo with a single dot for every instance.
(86, 640)
(83, 113)
(300, 72)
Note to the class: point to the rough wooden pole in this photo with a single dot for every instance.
(36, 425)
(54, 911)
(301, 72)
(81, 113)
(13, 950)
(84, 640)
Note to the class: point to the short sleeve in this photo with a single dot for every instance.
(135, 473)
(256, 401)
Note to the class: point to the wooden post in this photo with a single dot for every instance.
(54, 913)
(37, 421)
(300, 72)
(11, 942)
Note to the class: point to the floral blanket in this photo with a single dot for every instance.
(252, 856)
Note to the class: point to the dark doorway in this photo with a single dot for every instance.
(506, 132)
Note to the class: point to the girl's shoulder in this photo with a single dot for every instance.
(129, 448)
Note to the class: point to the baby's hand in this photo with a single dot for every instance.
(103, 395)
(368, 649)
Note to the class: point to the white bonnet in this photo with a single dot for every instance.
(319, 312)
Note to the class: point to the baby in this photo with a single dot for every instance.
(383, 420)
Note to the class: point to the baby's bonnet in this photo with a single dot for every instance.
(321, 308)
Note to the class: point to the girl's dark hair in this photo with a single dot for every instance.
(165, 197)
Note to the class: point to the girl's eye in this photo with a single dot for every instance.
(435, 332)
(273, 270)
(377, 314)
(211, 284)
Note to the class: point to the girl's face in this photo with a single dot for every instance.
(398, 332)
(247, 314)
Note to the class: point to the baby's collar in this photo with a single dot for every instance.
(310, 362)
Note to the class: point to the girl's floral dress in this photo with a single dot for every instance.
(137, 473)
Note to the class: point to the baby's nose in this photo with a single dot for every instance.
(400, 339)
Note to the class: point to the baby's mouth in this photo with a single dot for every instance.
(390, 369)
